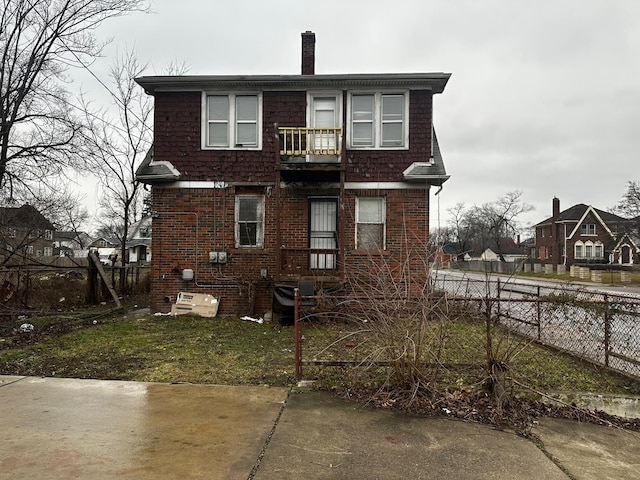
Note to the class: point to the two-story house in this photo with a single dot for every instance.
(139, 241)
(584, 235)
(25, 232)
(268, 180)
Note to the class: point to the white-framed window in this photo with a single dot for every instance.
(577, 250)
(249, 225)
(48, 252)
(232, 121)
(371, 215)
(588, 229)
(378, 120)
(588, 250)
(48, 235)
(598, 250)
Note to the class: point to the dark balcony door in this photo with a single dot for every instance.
(323, 233)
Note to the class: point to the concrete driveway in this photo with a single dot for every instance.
(90, 429)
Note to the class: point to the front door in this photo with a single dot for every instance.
(323, 233)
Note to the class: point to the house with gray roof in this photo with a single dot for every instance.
(585, 235)
(265, 181)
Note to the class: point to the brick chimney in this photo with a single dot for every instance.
(308, 53)
(556, 207)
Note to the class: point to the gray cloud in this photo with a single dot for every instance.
(544, 95)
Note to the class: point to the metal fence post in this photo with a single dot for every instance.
(607, 330)
(297, 333)
(498, 297)
(539, 314)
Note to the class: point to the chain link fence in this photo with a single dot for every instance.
(540, 332)
(602, 328)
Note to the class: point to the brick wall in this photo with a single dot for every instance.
(178, 140)
(191, 223)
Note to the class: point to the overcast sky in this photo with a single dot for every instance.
(544, 96)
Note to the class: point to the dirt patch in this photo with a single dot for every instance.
(519, 414)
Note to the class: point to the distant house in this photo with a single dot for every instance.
(107, 248)
(447, 253)
(25, 232)
(71, 244)
(505, 249)
(582, 235)
(139, 242)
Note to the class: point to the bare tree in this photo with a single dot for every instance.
(39, 41)
(484, 226)
(462, 227)
(119, 143)
(629, 205)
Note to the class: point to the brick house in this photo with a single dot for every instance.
(582, 235)
(260, 182)
(25, 233)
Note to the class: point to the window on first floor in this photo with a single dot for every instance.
(48, 252)
(249, 224)
(599, 251)
(370, 223)
(232, 121)
(589, 250)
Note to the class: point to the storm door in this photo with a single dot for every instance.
(323, 233)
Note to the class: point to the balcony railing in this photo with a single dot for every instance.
(305, 262)
(305, 142)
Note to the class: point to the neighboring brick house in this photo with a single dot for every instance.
(583, 235)
(262, 181)
(25, 232)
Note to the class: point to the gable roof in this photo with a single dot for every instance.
(577, 212)
(25, 216)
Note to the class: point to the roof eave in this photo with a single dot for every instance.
(435, 82)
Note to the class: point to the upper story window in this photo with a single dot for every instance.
(378, 120)
(588, 229)
(233, 121)
(48, 235)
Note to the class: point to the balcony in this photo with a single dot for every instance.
(310, 145)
